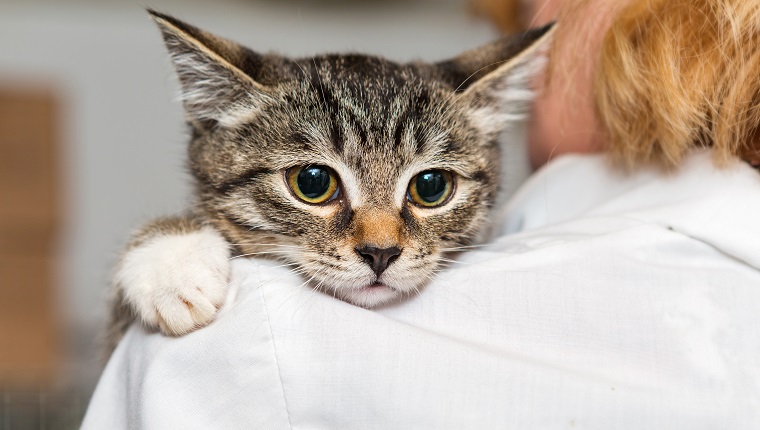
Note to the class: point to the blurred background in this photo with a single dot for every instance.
(92, 144)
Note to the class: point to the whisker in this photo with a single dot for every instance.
(264, 244)
(261, 253)
(466, 247)
(285, 265)
(298, 287)
(468, 263)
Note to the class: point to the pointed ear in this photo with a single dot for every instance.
(496, 78)
(215, 89)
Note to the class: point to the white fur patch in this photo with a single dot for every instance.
(510, 85)
(208, 95)
(176, 282)
(514, 94)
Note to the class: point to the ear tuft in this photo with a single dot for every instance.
(214, 89)
(498, 86)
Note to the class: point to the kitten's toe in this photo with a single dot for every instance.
(174, 319)
(187, 310)
(177, 315)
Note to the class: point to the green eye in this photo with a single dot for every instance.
(313, 184)
(431, 188)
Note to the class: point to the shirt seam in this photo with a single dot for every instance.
(276, 358)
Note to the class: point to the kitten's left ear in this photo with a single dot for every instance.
(496, 78)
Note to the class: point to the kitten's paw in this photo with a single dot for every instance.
(176, 282)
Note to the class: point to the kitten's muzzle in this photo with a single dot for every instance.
(378, 258)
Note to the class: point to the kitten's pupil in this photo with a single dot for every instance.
(313, 184)
(314, 181)
(431, 185)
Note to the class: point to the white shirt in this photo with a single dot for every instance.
(605, 302)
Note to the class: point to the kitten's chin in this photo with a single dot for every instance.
(369, 296)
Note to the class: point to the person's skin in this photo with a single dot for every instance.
(562, 117)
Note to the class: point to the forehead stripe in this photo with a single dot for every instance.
(358, 127)
(401, 125)
(419, 140)
(336, 136)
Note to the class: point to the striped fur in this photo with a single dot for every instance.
(376, 123)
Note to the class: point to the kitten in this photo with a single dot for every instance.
(359, 171)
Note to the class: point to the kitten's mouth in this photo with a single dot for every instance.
(371, 295)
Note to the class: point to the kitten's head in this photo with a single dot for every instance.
(359, 171)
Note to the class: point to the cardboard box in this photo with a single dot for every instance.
(28, 338)
(29, 216)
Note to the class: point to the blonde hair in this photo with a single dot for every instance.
(668, 75)
(675, 74)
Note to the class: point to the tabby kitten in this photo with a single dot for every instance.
(359, 171)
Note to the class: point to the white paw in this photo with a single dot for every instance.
(176, 283)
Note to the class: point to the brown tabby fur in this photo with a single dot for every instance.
(374, 121)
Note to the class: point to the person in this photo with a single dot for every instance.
(553, 128)
(643, 80)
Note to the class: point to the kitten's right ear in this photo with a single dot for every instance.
(215, 89)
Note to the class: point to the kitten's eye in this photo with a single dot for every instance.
(313, 184)
(431, 188)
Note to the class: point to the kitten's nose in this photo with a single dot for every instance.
(378, 258)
